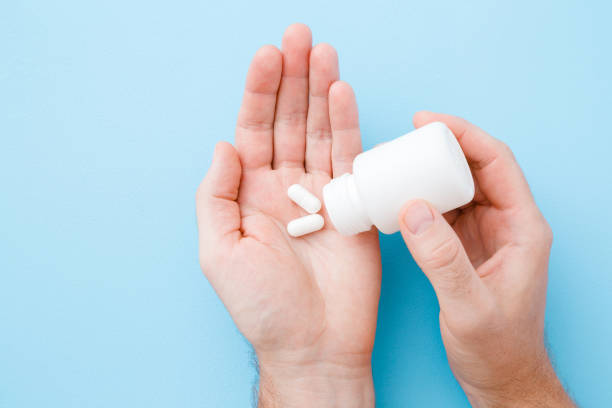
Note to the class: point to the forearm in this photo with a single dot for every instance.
(323, 385)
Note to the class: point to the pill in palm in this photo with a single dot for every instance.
(305, 225)
(304, 198)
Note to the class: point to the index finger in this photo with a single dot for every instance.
(497, 173)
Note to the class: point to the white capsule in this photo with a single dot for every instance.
(305, 225)
(304, 198)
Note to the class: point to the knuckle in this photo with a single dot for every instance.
(547, 233)
(541, 235)
(254, 125)
(545, 237)
(291, 119)
(447, 268)
(506, 151)
(319, 133)
(465, 124)
(444, 254)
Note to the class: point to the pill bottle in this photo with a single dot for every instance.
(427, 163)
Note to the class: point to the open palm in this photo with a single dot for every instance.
(303, 299)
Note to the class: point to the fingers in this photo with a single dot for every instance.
(217, 210)
(254, 130)
(292, 101)
(323, 72)
(438, 251)
(498, 175)
(344, 118)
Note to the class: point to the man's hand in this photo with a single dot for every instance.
(488, 263)
(308, 305)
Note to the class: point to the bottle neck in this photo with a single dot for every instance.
(345, 206)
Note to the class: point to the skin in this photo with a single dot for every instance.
(488, 263)
(308, 305)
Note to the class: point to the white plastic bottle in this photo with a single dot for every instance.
(427, 163)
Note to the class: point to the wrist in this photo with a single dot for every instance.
(537, 388)
(328, 383)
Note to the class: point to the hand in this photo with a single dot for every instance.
(488, 264)
(308, 305)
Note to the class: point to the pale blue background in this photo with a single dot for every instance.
(109, 111)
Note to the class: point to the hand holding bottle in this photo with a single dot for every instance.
(308, 305)
(488, 264)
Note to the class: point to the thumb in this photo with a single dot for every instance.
(217, 210)
(438, 251)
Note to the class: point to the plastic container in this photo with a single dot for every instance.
(427, 163)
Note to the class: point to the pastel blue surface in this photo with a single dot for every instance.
(109, 112)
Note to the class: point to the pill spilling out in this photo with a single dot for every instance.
(305, 225)
(304, 198)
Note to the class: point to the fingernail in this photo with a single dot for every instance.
(418, 217)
